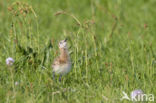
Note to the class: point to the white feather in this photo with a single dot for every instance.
(62, 69)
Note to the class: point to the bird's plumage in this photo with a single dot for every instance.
(62, 64)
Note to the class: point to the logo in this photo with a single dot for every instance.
(137, 95)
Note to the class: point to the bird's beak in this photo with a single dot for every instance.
(65, 40)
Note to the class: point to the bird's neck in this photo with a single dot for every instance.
(64, 53)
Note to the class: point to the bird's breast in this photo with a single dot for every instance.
(62, 69)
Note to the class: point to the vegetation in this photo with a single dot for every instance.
(112, 44)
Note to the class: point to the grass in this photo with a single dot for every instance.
(112, 46)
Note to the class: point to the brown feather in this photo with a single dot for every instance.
(62, 59)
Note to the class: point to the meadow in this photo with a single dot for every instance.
(112, 44)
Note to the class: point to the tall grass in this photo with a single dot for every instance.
(112, 45)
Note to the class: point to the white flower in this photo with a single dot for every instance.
(135, 94)
(10, 61)
(16, 83)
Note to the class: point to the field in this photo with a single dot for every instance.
(112, 44)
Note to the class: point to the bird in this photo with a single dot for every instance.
(62, 64)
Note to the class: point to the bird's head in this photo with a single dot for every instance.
(63, 44)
